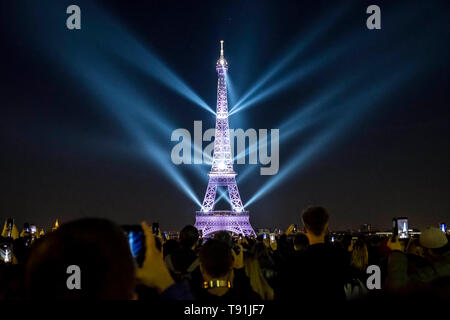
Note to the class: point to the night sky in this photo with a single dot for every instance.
(86, 115)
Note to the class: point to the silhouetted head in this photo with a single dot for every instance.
(170, 246)
(188, 236)
(360, 255)
(223, 236)
(100, 250)
(300, 241)
(216, 259)
(22, 249)
(346, 241)
(315, 220)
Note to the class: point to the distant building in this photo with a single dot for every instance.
(261, 231)
(365, 228)
(173, 234)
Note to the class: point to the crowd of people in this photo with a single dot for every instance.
(303, 266)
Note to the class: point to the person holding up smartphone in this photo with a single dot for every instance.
(437, 253)
(153, 272)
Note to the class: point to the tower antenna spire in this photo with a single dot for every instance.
(221, 48)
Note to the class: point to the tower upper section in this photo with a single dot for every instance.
(222, 163)
(222, 64)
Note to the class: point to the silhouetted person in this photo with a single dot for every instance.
(98, 247)
(300, 241)
(183, 260)
(402, 275)
(170, 246)
(318, 273)
(223, 275)
(11, 282)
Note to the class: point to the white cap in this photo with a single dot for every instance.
(433, 238)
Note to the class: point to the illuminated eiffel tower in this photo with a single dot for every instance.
(222, 174)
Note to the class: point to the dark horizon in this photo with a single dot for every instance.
(68, 151)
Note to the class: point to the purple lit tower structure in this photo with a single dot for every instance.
(222, 174)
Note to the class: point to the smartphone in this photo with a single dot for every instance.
(295, 228)
(443, 227)
(136, 241)
(402, 228)
(155, 227)
(26, 227)
(33, 229)
(272, 238)
(5, 253)
(265, 236)
(332, 239)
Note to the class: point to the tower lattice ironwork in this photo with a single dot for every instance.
(222, 174)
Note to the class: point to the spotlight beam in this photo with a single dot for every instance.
(305, 42)
(133, 51)
(286, 81)
(303, 155)
(301, 120)
(114, 98)
(102, 80)
(292, 78)
(223, 194)
(297, 122)
(231, 90)
(156, 69)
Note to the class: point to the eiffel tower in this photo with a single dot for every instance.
(222, 174)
